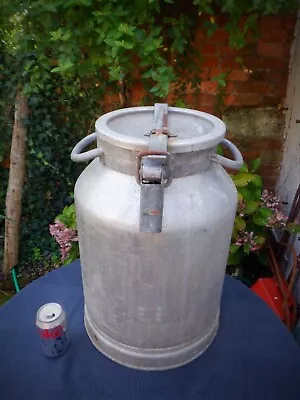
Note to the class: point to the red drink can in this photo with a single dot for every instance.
(52, 328)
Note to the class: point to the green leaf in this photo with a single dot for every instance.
(124, 44)
(239, 223)
(265, 212)
(254, 165)
(211, 28)
(262, 216)
(247, 248)
(247, 194)
(242, 179)
(180, 103)
(68, 216)
(244, 168)
(260, 240)
(64, 65)
(257, 181)
(236, 258)
(293, 228)
(220, 150)
(127, 29)
(251, 207)
(73, 254)
(250, 23)
(234, 248)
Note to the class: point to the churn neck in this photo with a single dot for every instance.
(186, 130)
(178, 139)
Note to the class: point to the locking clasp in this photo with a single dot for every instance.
(153, 172)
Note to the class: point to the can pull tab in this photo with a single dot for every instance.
(154, 172)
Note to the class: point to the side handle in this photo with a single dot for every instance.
(237, 161)
(78, 156)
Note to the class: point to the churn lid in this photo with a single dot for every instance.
(194, 130)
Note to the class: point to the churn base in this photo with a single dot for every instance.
(149, 359)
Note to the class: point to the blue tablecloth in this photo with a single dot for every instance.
(252, 357)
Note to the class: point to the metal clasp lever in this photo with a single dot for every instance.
(153, 172)
(153, 176)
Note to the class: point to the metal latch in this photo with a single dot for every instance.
(153, 173)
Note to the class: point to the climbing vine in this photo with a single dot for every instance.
(70, 56)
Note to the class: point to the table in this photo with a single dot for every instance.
(252, 357)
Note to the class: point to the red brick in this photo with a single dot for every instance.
(137, 94)
(289, 22)
(269, 169)
(209, 48)
(207, 109)
(226, 50)
(190, 99)
(232, 100)
(276, 63)
(270, 22)
(274, 50)
(189, 88)
(210, 62)
(201, 73)
(229, 62)
(230, 88)
(171, 98)
(270, 100)
(248, 50)
(252, 87)
(251, 99)
(200, 101)
(221, 20)
(268, 144)
(275, 76)
(217, 71)
(208, 87)
(207, 99)
(199, 38)
(269, 182)
(253, 62)
(204, 73)
(276, 35)
(251, 37)
(259, 75)
(251, 155)
(271, 156)
(221, 35)
(277, 89)
(238, 75)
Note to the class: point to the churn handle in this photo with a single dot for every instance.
(76, 154)
(237, 161)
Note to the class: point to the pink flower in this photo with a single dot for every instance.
(64, 237)
(274, 203)
(247, 238)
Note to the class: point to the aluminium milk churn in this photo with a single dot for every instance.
(155, 211)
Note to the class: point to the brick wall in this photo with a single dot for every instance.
(254, 98)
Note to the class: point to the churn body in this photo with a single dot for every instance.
(152, 300)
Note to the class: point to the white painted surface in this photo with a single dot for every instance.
(290, 169)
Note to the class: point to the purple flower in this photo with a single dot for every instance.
(64, 237)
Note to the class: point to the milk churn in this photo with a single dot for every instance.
(155, 212)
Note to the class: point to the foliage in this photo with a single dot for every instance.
(257, 211)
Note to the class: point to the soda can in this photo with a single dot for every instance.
(52, 328)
